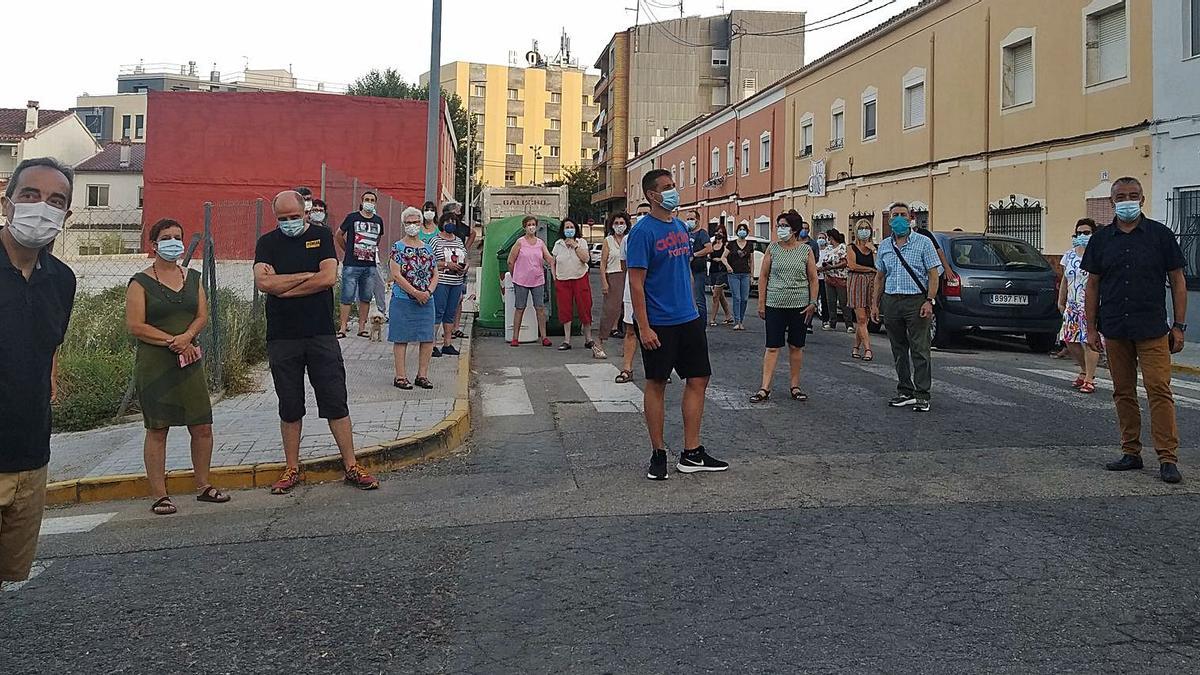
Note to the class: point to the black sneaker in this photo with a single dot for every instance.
(658, 465)
(922, 405)
(1169, 472)
(691, 461)
(901, 401)
(436, 352)
(1126, 463)
(449, 350)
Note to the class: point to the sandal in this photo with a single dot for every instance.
(854, 353)
(402, 383)
(423, 382)
(739, 327)
(1078, 381)
(363, 333)
(727, 322)
(868, 355)
(1087, 388)
(713, 324)
(798, 395)
(590, 344)
(547, 343)
(514, 343)
(625, 376)
(599, 353)
(163, 507)
(564, 346)
(459, 334)
(212, 495)
(762, 395)
(341, 335)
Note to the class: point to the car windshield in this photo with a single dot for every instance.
(996, 254)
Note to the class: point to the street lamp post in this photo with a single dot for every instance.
(537, 154)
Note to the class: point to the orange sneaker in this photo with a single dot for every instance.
(361, 479)
(288, 480)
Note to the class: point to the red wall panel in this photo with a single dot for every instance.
(219, 147)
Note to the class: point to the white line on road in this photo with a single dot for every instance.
(501, 399)
(70, 524)
(1103, 383)
(1063, 395)
(39, 566)
(940, 387)
(729, 398)
(598, 381)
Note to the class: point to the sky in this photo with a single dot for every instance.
(338, 42)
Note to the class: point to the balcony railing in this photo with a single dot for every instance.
(836, 144)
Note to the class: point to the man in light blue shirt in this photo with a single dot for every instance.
(906, 286)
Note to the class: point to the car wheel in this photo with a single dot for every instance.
(939, 337)
(1040, 343)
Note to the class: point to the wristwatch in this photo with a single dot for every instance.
(1181, 326)
(932, 301)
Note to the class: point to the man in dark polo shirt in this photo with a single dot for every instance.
(296, 266)
(37, 293)
(1128, 264)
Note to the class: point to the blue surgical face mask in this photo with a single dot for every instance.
(368, 207)
(448, 227)
(804, 234)
(292, 228)
(1128, 211)
(742, 234)
(670, 199)
(170, 249)
(691, 224)
(821, 243)
(784, 233)
(1081, 239)
(569, 232)
(900, 226)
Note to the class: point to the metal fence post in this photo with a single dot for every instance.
(258, 223)
(354, 193)
(209, 280)
(322, 181)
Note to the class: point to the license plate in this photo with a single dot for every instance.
(1010, 299)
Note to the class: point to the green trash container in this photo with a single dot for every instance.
(497, 243)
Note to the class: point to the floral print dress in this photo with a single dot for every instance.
(1074, 324)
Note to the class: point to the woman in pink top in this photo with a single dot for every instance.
(529, 278)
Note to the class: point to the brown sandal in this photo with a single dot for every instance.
(212, 495)
(762, 395)
(163, 507)
(625, 376)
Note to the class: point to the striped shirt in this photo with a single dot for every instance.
(918, 251)
(449, 251)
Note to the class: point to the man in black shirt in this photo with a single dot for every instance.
(37, 294)
(1128, 264)
(295, 265)
(357, 244)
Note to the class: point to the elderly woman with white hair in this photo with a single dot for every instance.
(413, 312)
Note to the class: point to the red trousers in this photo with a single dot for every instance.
(574, 298)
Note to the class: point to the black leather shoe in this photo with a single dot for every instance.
(1169, 472)
(1126, 463)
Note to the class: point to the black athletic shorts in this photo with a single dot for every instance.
(321, 355)
(786, 320)
(684, 349)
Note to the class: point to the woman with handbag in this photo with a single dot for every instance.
(860, 263)
(833, 263)
(165, 309)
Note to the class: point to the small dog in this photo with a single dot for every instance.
(376, 322)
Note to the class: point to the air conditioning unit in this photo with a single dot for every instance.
(13, 150)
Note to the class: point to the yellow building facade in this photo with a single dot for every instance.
(531, 123)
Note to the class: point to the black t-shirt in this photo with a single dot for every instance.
(1133, 270)
(740, 256)
(699, 239)
(35, 321)
(289, 318)
(362, 239)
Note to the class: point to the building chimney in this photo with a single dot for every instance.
(31, 117)
(126, 151)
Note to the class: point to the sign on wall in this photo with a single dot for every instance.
(816, 179)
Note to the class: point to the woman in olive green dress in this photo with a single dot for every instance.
(165, 309)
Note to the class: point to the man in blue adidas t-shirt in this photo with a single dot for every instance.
(658, 253)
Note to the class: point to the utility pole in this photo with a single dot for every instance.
(433, 127)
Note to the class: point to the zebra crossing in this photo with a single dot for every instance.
(505, 392)
(56, 526)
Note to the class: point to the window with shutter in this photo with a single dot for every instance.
(729, 158)
(1107, 46)
(914, 105)
(1018, 74)
(716, 162)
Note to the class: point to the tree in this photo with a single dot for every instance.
(390, 84)
(581, 184)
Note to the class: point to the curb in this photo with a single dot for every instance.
(1184, 369)
(435, 442)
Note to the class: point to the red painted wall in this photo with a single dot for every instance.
(216, 147)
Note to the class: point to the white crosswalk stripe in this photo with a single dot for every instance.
(508, 397)
(598, 381)
(1103, 383)
(39, 566)
(1061, 394)
(940, 387)
(71, 524)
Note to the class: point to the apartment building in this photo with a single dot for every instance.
(660, 76)
(531, 122)
(111, 117)
(1010, 116)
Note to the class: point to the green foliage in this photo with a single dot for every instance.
(581, 184)
(390, 84)
(90, 388)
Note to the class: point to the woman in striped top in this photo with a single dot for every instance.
(451, 256)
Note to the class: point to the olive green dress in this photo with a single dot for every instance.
(170, 396)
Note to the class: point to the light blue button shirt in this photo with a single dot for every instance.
(921, 256)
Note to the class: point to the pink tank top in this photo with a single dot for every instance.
(527, 270)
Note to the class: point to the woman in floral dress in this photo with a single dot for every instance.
(1070, 301)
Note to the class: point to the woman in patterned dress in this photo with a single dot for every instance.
(1071, 301)
(413, 311)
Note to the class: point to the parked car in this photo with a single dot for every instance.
(596, 250)
(1003, 285)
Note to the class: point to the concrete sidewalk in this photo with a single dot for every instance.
(246, 427)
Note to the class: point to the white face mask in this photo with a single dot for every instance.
(531, 229)
(308, 205)
(368, 207)
(36, 225)
(619, 228)
(784, 233)
(429, 215)
(412, 229)
(317, 217)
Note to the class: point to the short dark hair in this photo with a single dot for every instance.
(645, 204)
(164, 224)
(526, 219)
(898, 205)
(1123, 180)
(372, 193)
(50, 162)
(304, 192)
(651, 179)
(612, 217)
(320, 203)
(444, 218)
(429, 206)
(1086, 221)
(794, 221)
(833, 234)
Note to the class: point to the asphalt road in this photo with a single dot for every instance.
(847, 537)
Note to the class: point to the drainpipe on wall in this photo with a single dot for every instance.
(987, 114)
(931, 107)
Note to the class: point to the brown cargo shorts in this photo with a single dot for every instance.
(22, 499)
